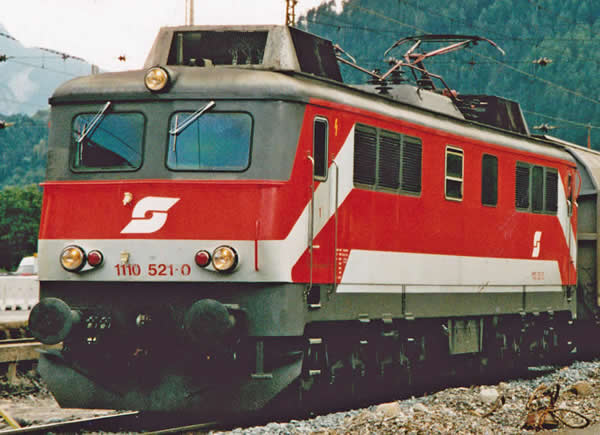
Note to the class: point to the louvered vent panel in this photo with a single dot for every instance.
(537, 189)
(389, 160)
(411, 165)
(522, 187)
(365, 155)
(551, 191)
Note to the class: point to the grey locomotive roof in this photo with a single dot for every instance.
(282, 80)
(588, 161)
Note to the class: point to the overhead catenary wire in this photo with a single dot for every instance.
(57, 54)
(539, 7)
(559, 119)
(481, 59)
(12, 100)
(500, 37)
(489, 58)
(42, 67)
(540, 79)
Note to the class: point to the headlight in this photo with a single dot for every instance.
(72, 258)
(156, 79)
(224, 259)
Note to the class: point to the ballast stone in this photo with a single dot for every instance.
(389, 410)
(488, 395)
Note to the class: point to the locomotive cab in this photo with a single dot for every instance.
(169, 196)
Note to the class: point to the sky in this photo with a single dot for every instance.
(100, 31)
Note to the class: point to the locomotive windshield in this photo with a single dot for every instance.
(113, 142)
(216, 141)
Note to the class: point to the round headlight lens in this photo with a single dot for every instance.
(156, 79)
(72, 258)
(224, 259)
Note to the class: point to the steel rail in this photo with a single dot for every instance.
(194, 428)
(73, 426)
(6, 341)
(22, 350)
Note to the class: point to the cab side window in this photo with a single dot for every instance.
(320, 144)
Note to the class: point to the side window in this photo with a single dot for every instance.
(454, 174)
(387, 161)
(320, 139)
(489, 180)
(536, 188)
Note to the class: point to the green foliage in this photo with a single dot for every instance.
(23, 149)
(566, 31)
(20, 209)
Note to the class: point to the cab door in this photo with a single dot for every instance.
(321, 237)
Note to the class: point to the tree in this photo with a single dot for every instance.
(20, 209)
(23, 149)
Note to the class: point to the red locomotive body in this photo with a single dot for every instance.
(249, 229)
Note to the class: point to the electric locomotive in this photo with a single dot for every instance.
(234, 223)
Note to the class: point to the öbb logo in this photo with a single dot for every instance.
(537, 244)
(158, 206)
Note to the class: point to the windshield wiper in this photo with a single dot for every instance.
(95, 122)
(197, 114)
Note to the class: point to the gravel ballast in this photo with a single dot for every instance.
(484, 409)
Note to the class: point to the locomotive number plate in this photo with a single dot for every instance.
(153, 269)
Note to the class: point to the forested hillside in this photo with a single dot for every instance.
(19, 223)
(564, 93)
(23, 148)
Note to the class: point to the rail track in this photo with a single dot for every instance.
(112, 422)
(17, 346)
(128, 421)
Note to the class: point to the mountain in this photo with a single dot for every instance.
(30, 75)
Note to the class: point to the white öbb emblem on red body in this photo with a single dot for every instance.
(537, 241)
(158, 206)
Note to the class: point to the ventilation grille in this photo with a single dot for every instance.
(389, 161)
(522, 188)
(551, 191)
(365, 155)
(411, 166)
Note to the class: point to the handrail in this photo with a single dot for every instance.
(335, 228)
(311, 222)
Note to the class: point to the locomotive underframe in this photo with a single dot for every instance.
(288, 346)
